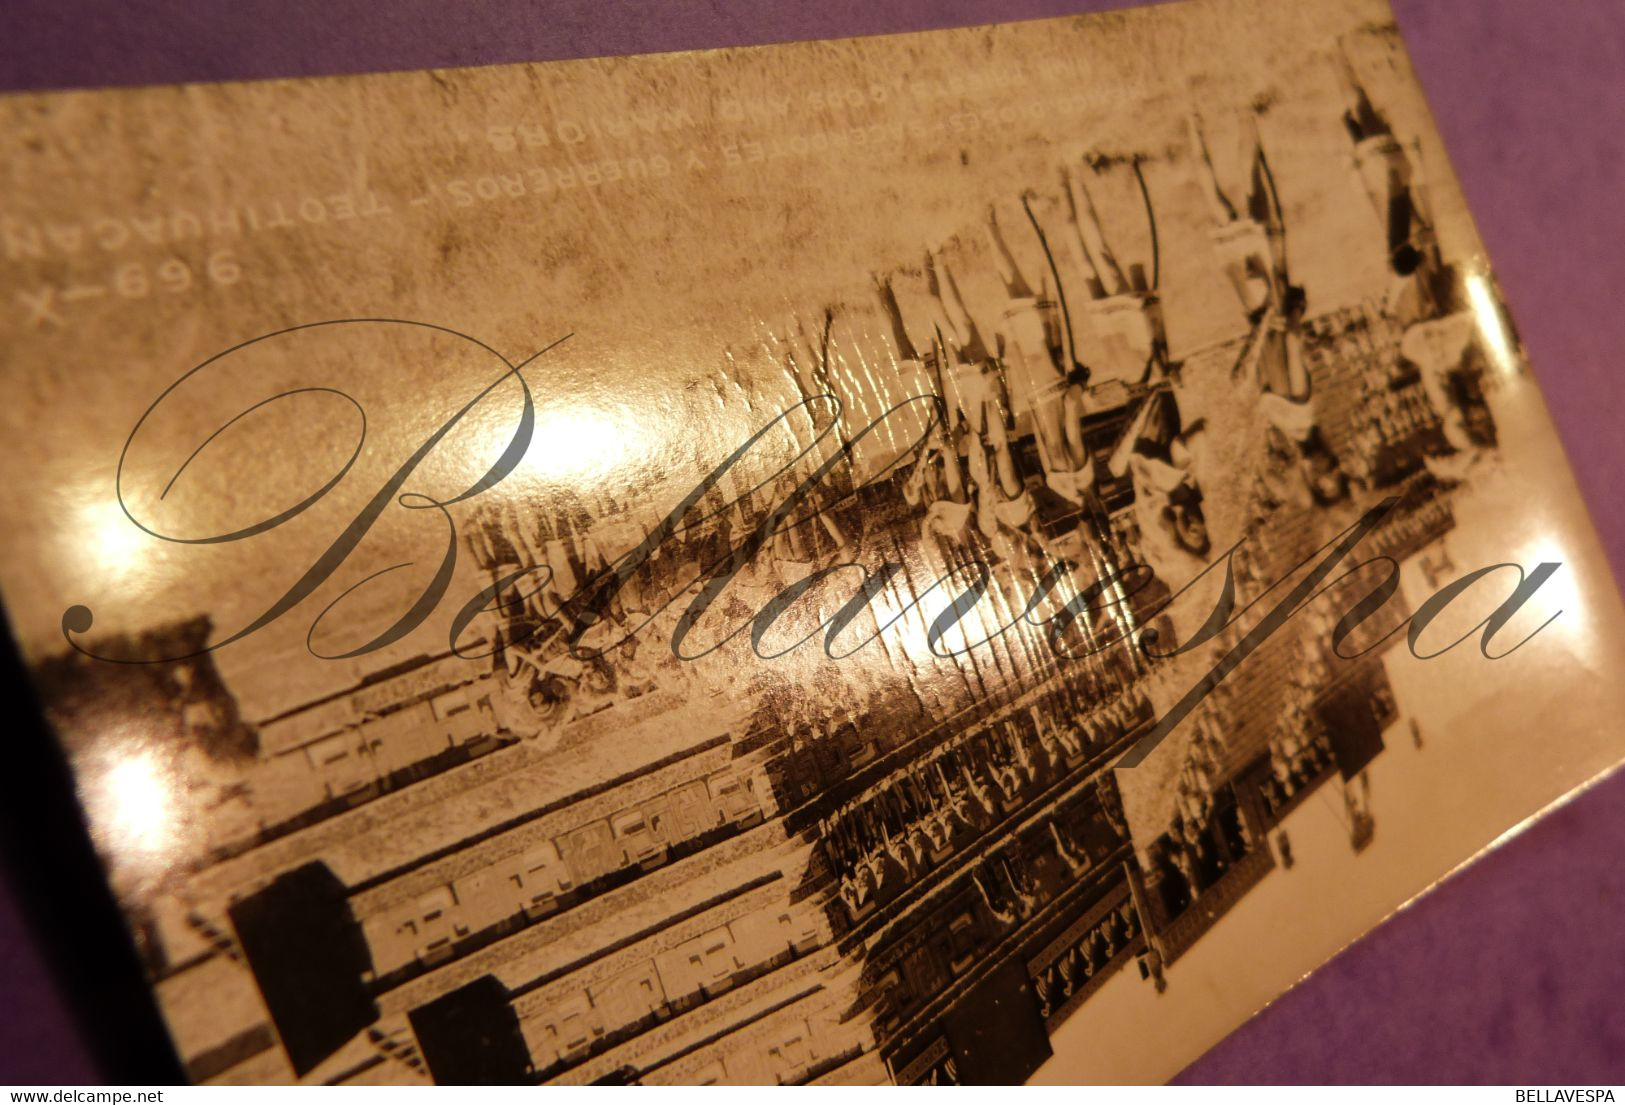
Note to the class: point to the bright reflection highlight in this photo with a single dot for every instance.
(1559, 593)
(112, 543)
(583, 442)
(1487, 312)
(137, 806)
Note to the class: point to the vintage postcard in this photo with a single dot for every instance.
(979, 556)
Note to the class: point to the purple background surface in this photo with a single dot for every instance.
(1513, 971)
